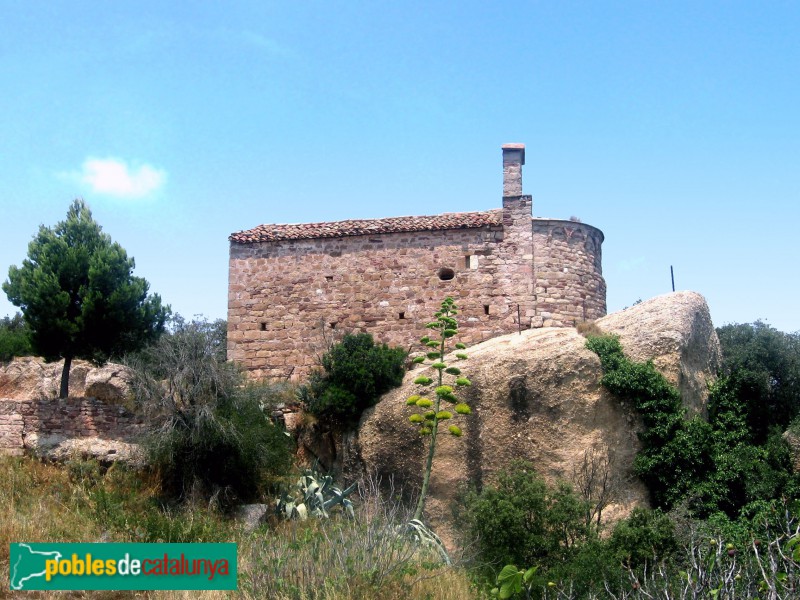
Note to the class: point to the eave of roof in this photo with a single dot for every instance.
(301, 231)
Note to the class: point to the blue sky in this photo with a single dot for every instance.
(673, 127)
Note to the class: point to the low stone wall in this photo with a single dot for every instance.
(45, 425)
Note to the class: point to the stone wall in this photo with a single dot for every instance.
(34, 424)
(568, 273)
(287, 298)
(294, 288)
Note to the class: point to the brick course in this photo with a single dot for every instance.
(70, 418)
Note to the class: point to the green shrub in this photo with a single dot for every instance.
(646, 536)
(764, 367)
(589, 572)
(719, 465)
(676, 454)
(521, 521)
(357, 371)
(208, 431)
(230, 450)
(14, 338)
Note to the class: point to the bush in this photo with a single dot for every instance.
(356, 373)
(208, 431)
(720, 465)
(646, 536)
(676, 452)
(521, 521)
(764, 367)
(14, 338)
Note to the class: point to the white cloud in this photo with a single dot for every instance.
(115, 177)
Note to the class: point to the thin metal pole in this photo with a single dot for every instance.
(672, 274)
(519, 321)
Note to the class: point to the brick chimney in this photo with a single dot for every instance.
(517, 246)
(513, 159)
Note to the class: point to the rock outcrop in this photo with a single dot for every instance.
(675, 332)
(31, 378)
(537, 396)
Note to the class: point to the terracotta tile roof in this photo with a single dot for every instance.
(272, 233)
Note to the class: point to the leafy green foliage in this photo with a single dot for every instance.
(747, 467)
(723, 464)
(761, 368)
(675, 451)
(357, 371)
(209, 434)
(523, 522)
(14, 338)
(646, 536)
(510, 581)
(78, 296)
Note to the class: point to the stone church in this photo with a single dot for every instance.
(292, 288)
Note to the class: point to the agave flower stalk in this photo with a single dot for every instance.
(444, 327)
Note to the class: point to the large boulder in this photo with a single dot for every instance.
(537, 396)
(31, 378)
(675, 332)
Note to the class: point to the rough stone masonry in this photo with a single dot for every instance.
(294, 287)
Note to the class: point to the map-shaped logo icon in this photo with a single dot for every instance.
(28, 564)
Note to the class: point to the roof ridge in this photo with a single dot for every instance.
(352, 227)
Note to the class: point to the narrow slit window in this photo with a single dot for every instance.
(263, 326)
(401, 315)
(486, 309)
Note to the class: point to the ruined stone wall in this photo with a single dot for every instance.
(568, 273)
(288, 298)
(26, 423)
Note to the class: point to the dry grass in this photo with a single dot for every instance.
(38, 503)
(324, 560)
(589, 328)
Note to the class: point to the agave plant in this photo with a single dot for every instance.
(444, 328)
(316, 496)
(425, 536)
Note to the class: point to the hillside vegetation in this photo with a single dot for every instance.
(725, 522)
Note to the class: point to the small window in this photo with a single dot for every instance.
(332, 325)
(446, 274)
(486, 309)
(328, 277)
(263, 326)
(402, 315)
